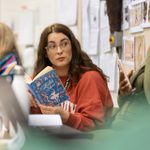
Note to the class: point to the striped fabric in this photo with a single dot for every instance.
(7, 65)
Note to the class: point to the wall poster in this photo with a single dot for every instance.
(128, 49)
(146, 14)
(136, 17)
(139, 51)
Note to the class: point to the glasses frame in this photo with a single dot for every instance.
(59, 45)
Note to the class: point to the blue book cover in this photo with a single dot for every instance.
(48, 89)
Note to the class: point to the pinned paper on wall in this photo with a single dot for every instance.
(139, 51)
(136, 17)
(128, 50)
(93, 47)
(94, 13)
(66, 12)
(85, 25)
(106, 61)
(90, 26)
(104, 29)
(146, 14)
(125, 17)
(104, 40)
(104, 23)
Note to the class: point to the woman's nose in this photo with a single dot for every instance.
(59, 50)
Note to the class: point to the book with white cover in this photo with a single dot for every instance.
(44, 120)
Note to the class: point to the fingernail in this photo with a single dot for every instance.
(133, 90)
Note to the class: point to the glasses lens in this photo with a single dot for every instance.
(53, 47)
(64, 44)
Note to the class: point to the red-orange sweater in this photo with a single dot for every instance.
(92, 99)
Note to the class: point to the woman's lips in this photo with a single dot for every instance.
(61, 58)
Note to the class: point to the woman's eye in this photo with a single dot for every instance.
(52, 46)
(64, 44)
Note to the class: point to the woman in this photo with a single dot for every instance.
(9, 57)
(90, 100)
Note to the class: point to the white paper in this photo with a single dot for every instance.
(109, 66)
(125, 17)
(136, 18)
(44, 120)
(104, 40)
(90, 26)
(128, 50)
(94, 13)
(135, 2)
(146, 14)
(66, 12)
(93, 48)
(103, 15)
(85, 25)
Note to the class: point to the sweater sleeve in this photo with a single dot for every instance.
(93, 100)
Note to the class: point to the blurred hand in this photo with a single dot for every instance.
(55, 110)
(124, 87)
(32, 100)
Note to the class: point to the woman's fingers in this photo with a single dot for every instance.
(125, 88)
(47, 109)
(130, 74)
(55, 110)
(122, 76)
(32, 100)
(124, 85)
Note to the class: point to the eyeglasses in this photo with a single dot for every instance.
(54, 47)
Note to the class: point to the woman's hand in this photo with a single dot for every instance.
(34, 107)
(32, 101)
(124, 87)
(55, 110)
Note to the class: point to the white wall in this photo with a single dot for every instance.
(11, 8)
(28, 18)
(45, 12)
(43, 9)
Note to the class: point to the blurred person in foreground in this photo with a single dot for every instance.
(9, 58)
(134, 101)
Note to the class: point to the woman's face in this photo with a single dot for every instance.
(59, 50)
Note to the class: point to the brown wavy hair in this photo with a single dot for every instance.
(80, 60)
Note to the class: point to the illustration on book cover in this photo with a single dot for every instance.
(48, 89)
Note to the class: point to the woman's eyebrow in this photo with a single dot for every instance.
(51, 42)
(60, 40)
(64, 39)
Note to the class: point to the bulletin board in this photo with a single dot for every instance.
(136, 32)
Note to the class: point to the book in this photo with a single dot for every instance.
(44, 120)
(47, 88)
